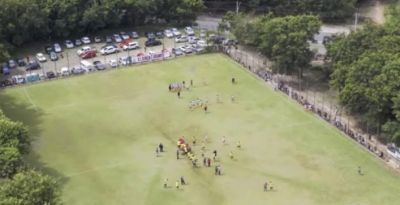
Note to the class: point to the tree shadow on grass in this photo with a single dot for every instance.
(32, 118)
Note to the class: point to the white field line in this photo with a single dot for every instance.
(30, 99)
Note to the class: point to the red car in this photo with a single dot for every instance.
(89, 54)
(123, 43)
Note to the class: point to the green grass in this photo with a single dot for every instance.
(99, 132)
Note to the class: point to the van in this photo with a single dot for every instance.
(64, 71)
(87, 66)
(32, 77)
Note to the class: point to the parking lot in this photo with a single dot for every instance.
(69, 58)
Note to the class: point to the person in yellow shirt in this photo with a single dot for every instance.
(271, 186)
(202, 153)
(177, 184)
(185, 149)
(194, 141)
(231, 155)
(239, 145)
(179, 144)
(165, 183)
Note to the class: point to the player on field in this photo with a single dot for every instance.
(233, 98)
(231, 155)
(177, 184)
(223, 140)
(194, 141)
(266, 186)
(165, 183)
(217, 98)
(239, 145)
(206, 138)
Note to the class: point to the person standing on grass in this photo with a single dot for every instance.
(216, 170)
(177, 154)
(191, 82)
(206, 138)
(209, 162)
(215, 154)
(157, 151)
(271, 186)
(179, 94)
(223, 140)
(194, 141)
(161, 146)
(177, 184)
(183, 181)
(233, 80)
(239, 145)
(266, 186)
(204, 161)
(219, 170)
(205, 108)
(359, 170)
(231, 155)
(165, 183)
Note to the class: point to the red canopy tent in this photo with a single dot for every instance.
(140, 54)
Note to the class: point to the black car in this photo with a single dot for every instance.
(50, 74)
(20, 62)
(108, 39)
(134, 34)
(32, 66)
(99, 65)
(159, 34)
(48, 49)
(150, 35)
(152, 42)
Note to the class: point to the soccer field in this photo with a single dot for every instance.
(99, 133)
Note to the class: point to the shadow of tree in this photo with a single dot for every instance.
(31, 117)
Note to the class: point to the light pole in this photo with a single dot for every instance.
(237, 7)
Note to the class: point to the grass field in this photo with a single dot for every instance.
(98, 134)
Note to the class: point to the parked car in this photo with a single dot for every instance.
(89, 54)
(168, 33)
(125, 42)
(219, 40)
(20, 62)
(181, 39)
(84, 50)
(78, 42)
(113, 63)
(176, 32)
(5, 69)
(64, 71)
(150, 43)
(203, 33)
(124, 61)
(6, 83)
(50, 75)
(69, 44)
(193, 39)
(177, 51)
(117, 38)
(186, 49)
(109, 44)
(86, 40)
(32, 77)
(30, 59)
(99, 65)
(11, 64)
(18, 79)
(77, 71)
(134, 35)
(97, 39)
(57, 48)
(189, 31)
(131, 46)
(150, 35)
(32, 66)
(202, 43)
(159, 34)
(229, 42)
(124, 35)
(40, 57)
(196, 48)
(53, 56)
(108, 50)
(48, 49)
(108, 39)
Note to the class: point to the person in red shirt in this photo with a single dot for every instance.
(209, 162)
(266, 186)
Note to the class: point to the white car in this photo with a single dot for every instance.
(40, 57)
(57, 48)
(176, 32)
(203, 33)
(202, 43)
(124, 35)
(168, 33)
(18, 79)
(131, 46)
(181, 39)
(189, 31)
(117, 38)
(84, 50)
(85, 40)
(69, 44)
(64, 71)
(193, 40)
(186, 49)
(113, 63)
(108, 50)
(197, 48)
(123, 61)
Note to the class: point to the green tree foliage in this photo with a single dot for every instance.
(30, 188)
(285, 41)
(10, 161)
(366, 72)
(14, 135)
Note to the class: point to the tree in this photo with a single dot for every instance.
(30, 188)
(285, 40)
(10, 161)
(14, 134)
